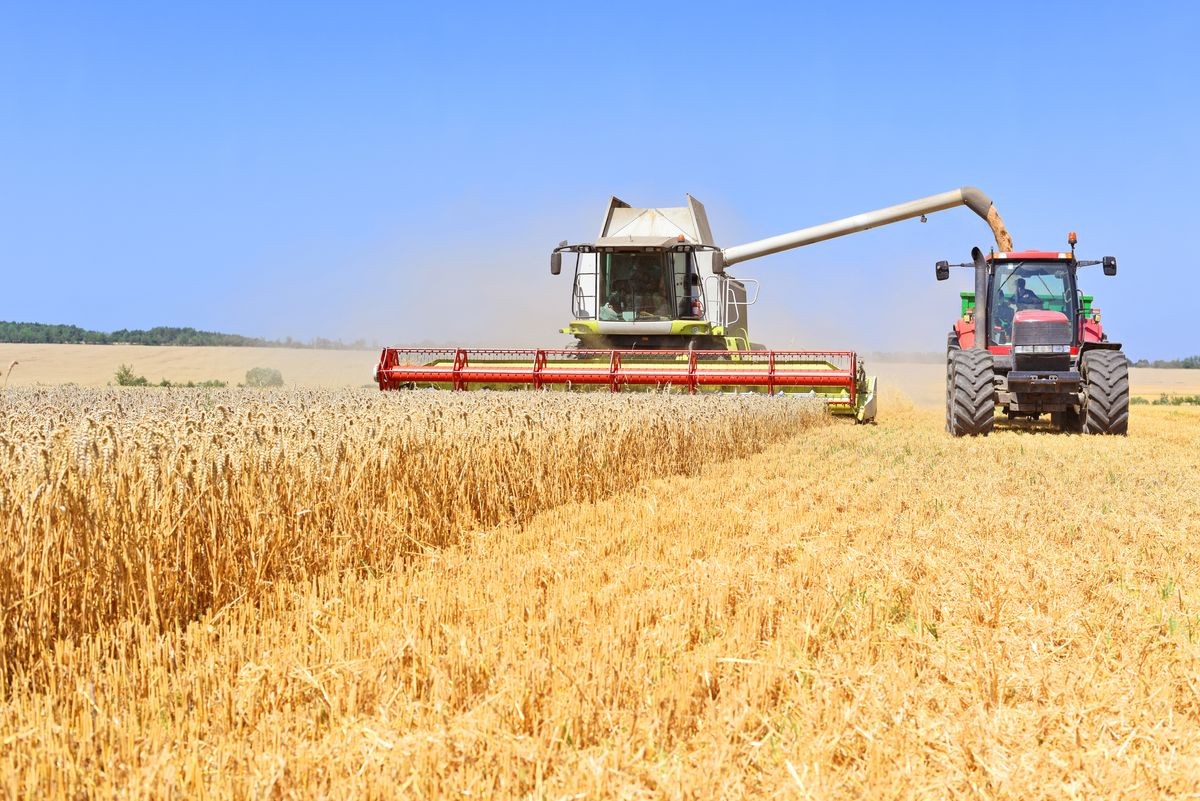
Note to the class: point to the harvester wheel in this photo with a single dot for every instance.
(952, 342)
(970, 393)
(1106, 382)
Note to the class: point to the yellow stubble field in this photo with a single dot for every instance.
(345, 594)
(96, 365)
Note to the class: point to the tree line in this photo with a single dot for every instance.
(1186, 363)
(47, 334)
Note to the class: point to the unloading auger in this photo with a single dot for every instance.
(654, 307)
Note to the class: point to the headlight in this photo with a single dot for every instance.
(1042, 349)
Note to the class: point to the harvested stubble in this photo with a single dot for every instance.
(879, 612)
(156, 506)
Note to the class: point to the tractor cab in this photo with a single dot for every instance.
(1031, 297)
(1029, 283)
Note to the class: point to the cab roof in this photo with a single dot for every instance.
(1030, 255)
(637, 242)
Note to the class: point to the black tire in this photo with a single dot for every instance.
(952, 342)
(1068, 422)
(970, 393)
(949, 387)
(1106, 387)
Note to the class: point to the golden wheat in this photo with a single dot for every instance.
(157, 506)
(852, 612)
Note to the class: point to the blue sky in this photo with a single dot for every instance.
(399, 172)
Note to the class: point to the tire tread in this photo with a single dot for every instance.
(1106, 384)
(970, 393)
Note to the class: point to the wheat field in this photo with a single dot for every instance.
(344, 594)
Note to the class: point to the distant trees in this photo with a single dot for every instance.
(1186, 363)
(45, 334)
(40, 333)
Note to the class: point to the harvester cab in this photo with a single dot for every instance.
(1028, 341)
(654, 280)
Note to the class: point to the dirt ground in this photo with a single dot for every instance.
(925, 384)
(95, 365)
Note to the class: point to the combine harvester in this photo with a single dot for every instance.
(655, 308)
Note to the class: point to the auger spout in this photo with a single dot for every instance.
(974, 199)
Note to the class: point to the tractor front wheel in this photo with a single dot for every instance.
(1106, 384)
(970, 393)
(1069, 422)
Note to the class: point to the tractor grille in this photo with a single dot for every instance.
(1041, 332)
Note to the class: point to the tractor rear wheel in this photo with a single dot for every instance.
(970, 393)
(1106, 384)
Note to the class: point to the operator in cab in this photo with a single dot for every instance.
(1026, 298)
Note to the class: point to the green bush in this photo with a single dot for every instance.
(1167, 400)
(264, 377)
(126, 378)
(211, 383)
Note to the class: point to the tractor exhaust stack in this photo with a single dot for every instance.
(981, 298)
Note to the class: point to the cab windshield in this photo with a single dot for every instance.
(1021, 285)
(647, 285)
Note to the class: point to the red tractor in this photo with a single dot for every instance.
(1045, 351)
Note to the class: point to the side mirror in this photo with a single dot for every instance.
(718, 262)
(1110, 265)
(942, 268)
(556, 259)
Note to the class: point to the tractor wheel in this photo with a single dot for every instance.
(952, 346)
(1068, 422)
(1106, 383)
(949, 389)
(970, 393)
